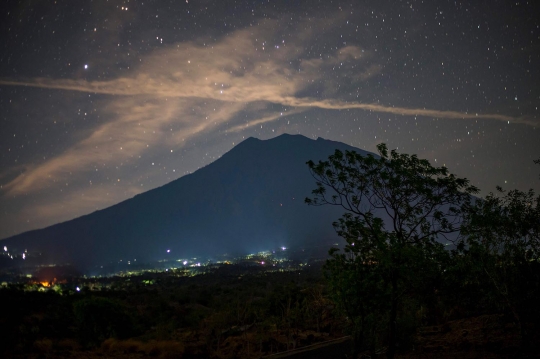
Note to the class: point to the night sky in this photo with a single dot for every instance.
(102, 100)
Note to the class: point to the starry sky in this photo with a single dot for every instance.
(101, 100)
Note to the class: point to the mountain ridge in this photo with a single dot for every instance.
(250, 199)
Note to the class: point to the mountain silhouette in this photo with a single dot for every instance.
(250, 199)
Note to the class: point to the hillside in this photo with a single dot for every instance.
(250, 199)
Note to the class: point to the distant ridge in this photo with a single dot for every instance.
(250, 199)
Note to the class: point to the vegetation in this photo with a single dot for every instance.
(100, 318)
(393, 254)
(399, 212)
(221, 314)
(503, 239)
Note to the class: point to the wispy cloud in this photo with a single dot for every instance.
(196, 88)
(404, 111)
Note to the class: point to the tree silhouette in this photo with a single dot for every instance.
(398, 210)
(502, 231)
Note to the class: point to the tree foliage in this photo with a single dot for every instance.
(502, 232)
(398, 210)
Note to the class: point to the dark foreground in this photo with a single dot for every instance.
(234, 312)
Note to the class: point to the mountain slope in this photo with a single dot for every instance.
(252, 198)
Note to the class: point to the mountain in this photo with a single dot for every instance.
(250, 199)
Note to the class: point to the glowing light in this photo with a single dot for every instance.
(184, 262)
(262, 262)
(283, 248)
(85, 66)
(5, 249)
(168, 251)
(78, 289)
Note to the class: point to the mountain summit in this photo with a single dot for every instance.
(250, 199)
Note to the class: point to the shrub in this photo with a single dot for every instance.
(101, 318)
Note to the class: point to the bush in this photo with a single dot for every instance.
(160, 349)
(68, 344)
(43, 346)
(101, 318)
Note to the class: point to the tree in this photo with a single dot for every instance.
(398, 209)
(502, 231)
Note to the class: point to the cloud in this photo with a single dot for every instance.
(195, 87)
(264, 119)
(404, 111)
(237, 71)
(86, 200)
